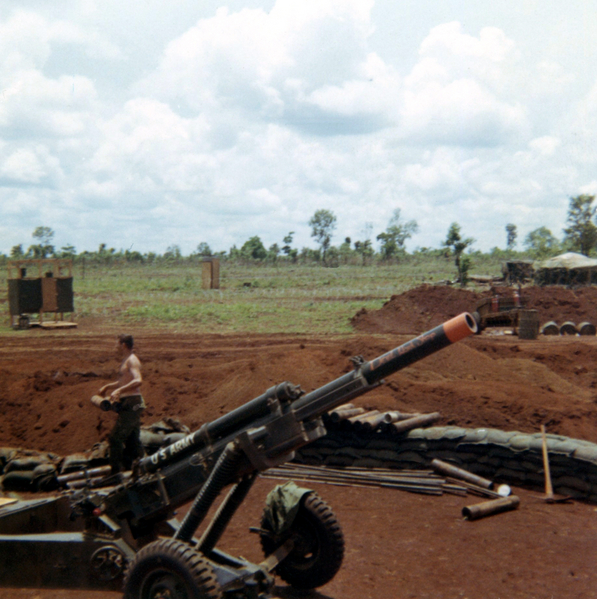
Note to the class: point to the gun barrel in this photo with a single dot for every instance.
(416, 349)
(371, 373)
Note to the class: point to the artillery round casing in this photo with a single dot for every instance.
(415, 422)
(454, 471)
(488, 508)
(339, 415)
(103, 403)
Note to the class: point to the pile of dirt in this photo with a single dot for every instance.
(427, 306)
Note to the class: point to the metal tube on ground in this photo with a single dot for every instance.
(90, 473)
(488, 508)
(454, 471)
(339, 415)
(364, 416)
(370, 423)
(416, 422)
(397, 416)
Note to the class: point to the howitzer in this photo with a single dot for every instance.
(123, 531)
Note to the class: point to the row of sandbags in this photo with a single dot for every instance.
(32, 471)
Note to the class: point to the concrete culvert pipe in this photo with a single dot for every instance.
(550, 328)
(586, 328)
(568, 328)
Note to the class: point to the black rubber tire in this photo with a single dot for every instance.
(170, 569)
(319, 545)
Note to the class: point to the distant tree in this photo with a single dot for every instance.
(456, 244)
(273, 252)
(105, 254)
(322, 224)
(364, 249)
(287, 249)
(173, 253)
(540, 243)
(253, 249)
(344, 251)
(581, 233)
(17, 252)
(287, 241)
(234, 253)
(43, 248)
(68, 251)
(511, 235)
(203, 249)
(394, 237)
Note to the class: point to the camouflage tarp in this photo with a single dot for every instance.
(567, 269)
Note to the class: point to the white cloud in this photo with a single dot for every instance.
(150, 125)
(546, 145)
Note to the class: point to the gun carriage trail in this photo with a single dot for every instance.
(398, 544)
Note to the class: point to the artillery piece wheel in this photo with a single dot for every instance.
(170, 569)
(319, 545)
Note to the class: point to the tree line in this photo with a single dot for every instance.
(579, 235)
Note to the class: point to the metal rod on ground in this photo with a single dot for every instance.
(476, 490)
(488, 508)
(460, 473)
(427, 490)
(427, 482)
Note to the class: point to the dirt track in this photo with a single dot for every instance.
(398, 545)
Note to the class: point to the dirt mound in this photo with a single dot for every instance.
(47, 378)
(427, 306)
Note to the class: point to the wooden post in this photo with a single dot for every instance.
(210, 273)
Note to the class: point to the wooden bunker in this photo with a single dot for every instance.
(40, 286)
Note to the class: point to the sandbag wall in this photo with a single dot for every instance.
(510, 457)
(32, 471)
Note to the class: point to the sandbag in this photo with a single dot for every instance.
(18, 480)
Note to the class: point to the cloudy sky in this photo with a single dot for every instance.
(144, 124)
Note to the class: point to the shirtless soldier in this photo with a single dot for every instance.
(127, 401)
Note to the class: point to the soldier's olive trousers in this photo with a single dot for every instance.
(125, 442)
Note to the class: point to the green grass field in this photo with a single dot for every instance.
(292, 299)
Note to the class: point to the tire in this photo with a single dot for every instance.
(319, 545)
(170, 569)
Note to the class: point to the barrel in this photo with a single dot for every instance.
(528, 324)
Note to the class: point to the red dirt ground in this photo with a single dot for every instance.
(399, 545)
